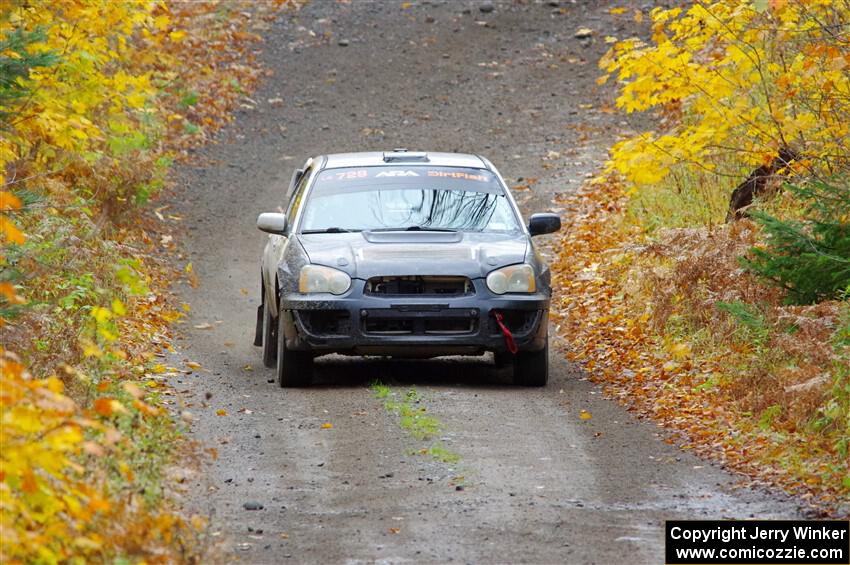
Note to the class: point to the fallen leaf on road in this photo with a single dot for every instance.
(193, 365)
(134, 390)
(221, 412)
(585, 415)
(204, 326)
(327, 426)
(395, 530)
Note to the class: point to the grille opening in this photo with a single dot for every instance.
(419, 285)
(449, 326)
(388, 326)
(326, 322)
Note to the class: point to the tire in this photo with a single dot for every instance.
(502, 359)
(269, 337)
(531, 368)
(294, 368)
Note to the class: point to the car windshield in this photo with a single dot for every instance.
(407, 198)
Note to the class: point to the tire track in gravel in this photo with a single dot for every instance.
(541, 485)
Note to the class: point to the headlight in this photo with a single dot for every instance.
(513, 278)
(315, 278)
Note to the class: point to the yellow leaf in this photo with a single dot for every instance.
(327, 426)
(585, 415)
(193, 365)
(680, 350)
(221, 412)
(91, 349)
(118, 308)
(161, 22)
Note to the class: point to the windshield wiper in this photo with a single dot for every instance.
(415, 228)
(329, 230)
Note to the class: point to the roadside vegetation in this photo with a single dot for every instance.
(97, 100)
(705, 275)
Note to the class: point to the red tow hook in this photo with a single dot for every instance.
(509, 338)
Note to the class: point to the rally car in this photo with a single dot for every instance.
(402, 253)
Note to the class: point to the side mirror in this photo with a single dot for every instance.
(272, 222)
(538, 224)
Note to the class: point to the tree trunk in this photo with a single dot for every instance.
(762, 180)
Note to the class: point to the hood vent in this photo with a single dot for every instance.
(413, 253)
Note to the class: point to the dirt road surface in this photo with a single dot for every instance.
(534, 482)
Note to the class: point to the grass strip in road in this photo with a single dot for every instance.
(412, 417)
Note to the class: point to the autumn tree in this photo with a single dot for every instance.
(738, 82)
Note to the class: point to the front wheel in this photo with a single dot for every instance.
(502, 359)
(531, 368)
(294, 368)
(269, 336)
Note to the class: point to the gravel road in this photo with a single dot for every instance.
(534, 482)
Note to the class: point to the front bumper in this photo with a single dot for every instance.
(413, 325)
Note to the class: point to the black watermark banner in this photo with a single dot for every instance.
(757, 542)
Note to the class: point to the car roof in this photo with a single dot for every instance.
(402, 157)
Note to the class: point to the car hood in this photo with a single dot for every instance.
(368, 254)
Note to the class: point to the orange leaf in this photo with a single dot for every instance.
(28, 482)
(7, 289)
(12, 234)
(103, 406)
(145, 409)
(9, 201)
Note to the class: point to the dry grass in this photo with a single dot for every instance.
(677, 330)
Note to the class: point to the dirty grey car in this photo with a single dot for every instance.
(402, 254)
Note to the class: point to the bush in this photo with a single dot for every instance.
(809, 258)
